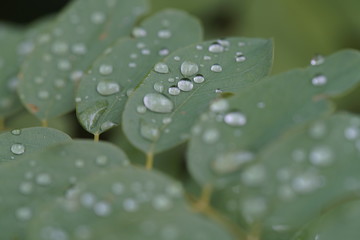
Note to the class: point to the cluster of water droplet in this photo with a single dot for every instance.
(318, 79)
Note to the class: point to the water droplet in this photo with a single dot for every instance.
(174, 91)
(79, 49)
(235, 119)
(52, 233)
(319, 80)
(101, 160)
(199, 78)
(161, 203)
(317, 130)
(141, 109)
(216, 48)
(16, 132)
(59, 47)
(216, 68)
(26, 188)
(132, 65)
(139, 32)
(164, 34)
(64, 65)
(219, 105)
(90, 116)
(159, 87)
(189, 68)
(102, 209)
(254, 175)
(43, 94)
(158, 103)
(107, 125)
(240, 57)
(280, 228)
(117, 188)
(106, 88)
(167, 120)
(79, 163)
(87, 199)
(105, 69)
(253, 208)
(185, 85)
(17, 148)
(149, 131)
(317, 60)
(161, 68)
(130, 205)
(351, 133)
(232, 161)
(43, 179)
(59, 83)
(164, 52)
(321, 156)
(23, 213)
(145, 51)
(306, 183)
(211, 136)
(98, 17)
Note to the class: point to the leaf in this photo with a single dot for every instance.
(131, 203)
(50, 74)
(308, 171)
(158, 115)
(42, 177)
(230, 135)
(339, 223)
(22, 142)
(10, 38)
(115, 74)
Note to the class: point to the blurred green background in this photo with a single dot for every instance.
(300, 29)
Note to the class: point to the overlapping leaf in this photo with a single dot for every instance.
(235, 129)
(126, 203)
(160, 112)
(41, 177)
(20, 142)
(102, 93)
(68, 47)
(305, 173)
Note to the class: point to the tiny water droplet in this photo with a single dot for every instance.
(141, 109)
(306, 183)
(185, 85)
(79, 49)
(43, 94)
(105, 69)
(189, 68)
(101, 160)
(211, 136)
(167, 120)
(161, 68)
(23, 213)
(319, 80)
(216, 48)
(321, 156)
(130, 205)
(106, 88)
(158, 103)
(317, 60)
(232, 161)
(26, 188)
(98, 17)
(159, 87)
(59, 47)
(43, 179)
(90, 116)
(199, 78)
(139, 32)
(59, 83)
(149, 131)
(254, 175)
(219, 105)
(161, 203)
(17, 148)
(351, 133)
(164, 52)
(235, 119)
(174, 91)
(164, 34)
(107, 125)
(216, 68)
(117, 188)
(16, 132)
(87, 199)
(240, 57)
(102, 209)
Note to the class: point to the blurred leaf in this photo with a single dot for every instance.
(22, 142)
(235, 129)
(50, 73)
(296, 179)
(42, 177)
(102, 93)
(131, 203)
(160, 112)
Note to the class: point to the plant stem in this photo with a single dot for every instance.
(205, 197)
(44, 123)
(2, 123)
(149, 160)
(96, 137)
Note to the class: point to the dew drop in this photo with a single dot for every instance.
(306, 183)
(59, 83)
(130, 205)
(139, 32)
(219, 105)
(240, 57)
(141, 109)
(149, 131)
(161, 203)
(79, 49)
(232, 161)
(101, 160)
(189, 68)
(235, 119)
(23, 213)
(43, 94)
(254, 175)
(158, 103)
(185, 85)
(321, 156)
(90, 116)
(145, 51)
(117, 188)
(216, 48)
(317, 60)
(211, 136)
(98, 17)
(26, 188)
(199, 78)
(43, 179)
(17, 148)
(16, 132)
(174, 91)
(87, 199)
(105, 69)
(107, 125)
(161, 68)
(167, 120)
(64, 65)
(159, 87)
(165, 34)
(317, 130)
(319, 80)
(351, 133)
(216, 68)
(164, 52)
(59, 47)
(102, 209)
(106, 88)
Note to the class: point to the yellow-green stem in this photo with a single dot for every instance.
(149, 160)
(205, 197)
(96, 137)
(44, 123)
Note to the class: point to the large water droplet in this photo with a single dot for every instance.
(158, 103)
(161, 68)
(317, 60)
(185, 85)
(199, 78)
(216, 48)
(149, 131)
(319, 80)
(107, 88)
(232, 161)
(189, 68)
(321, 156)
(216, 68)
(17, 148)
(105, 69)
(235, 119)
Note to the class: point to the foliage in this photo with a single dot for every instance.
(266, 157)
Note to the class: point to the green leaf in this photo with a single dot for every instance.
(229, 135)
(42, 177)
(21, 142)
(308, 171)
(131, 203)
(339, 223)
(116, 73)
(52, 71)
(160, 112)
(10, 38)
